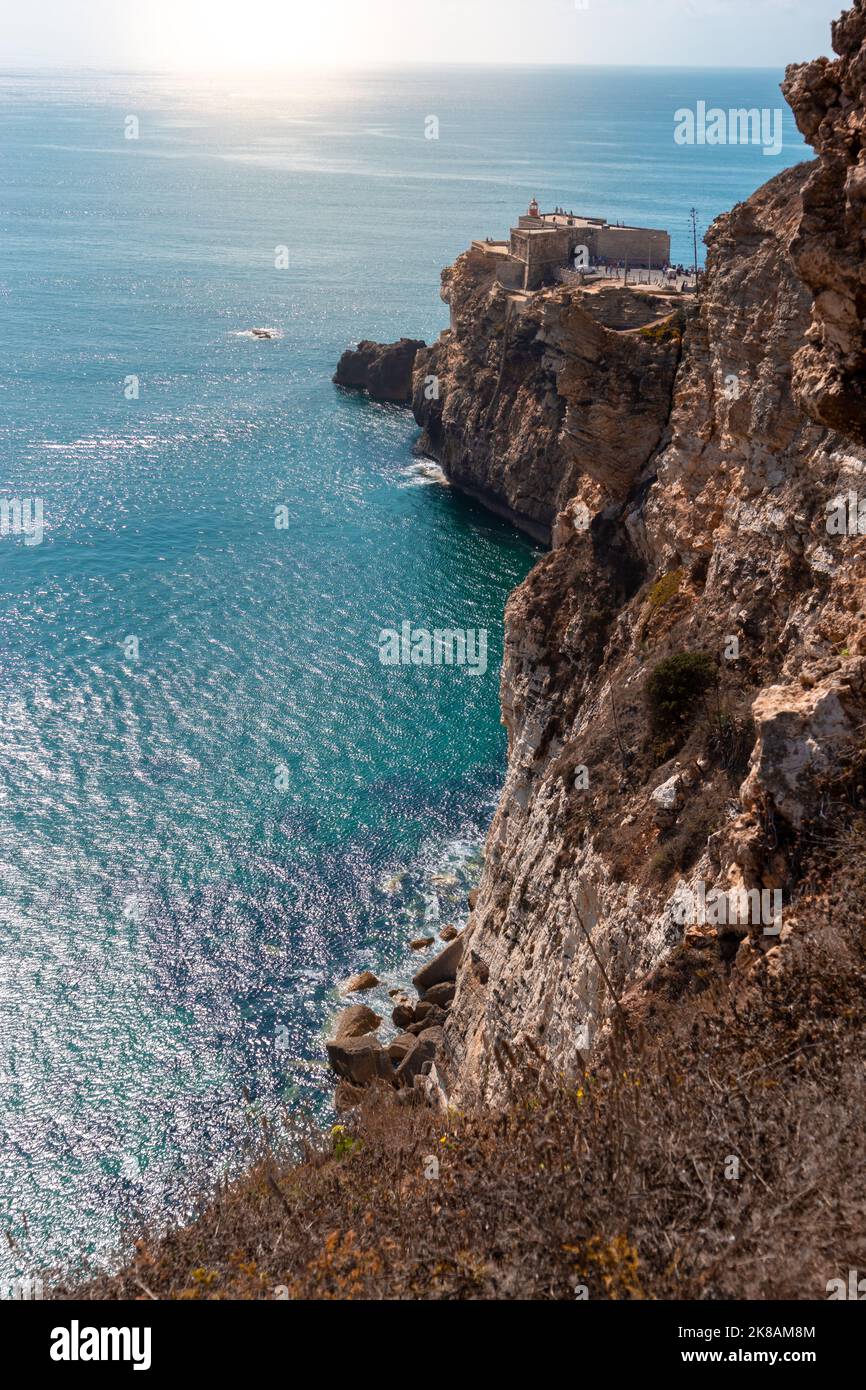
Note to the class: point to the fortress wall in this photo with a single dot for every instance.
(617, 243)
(541, 253)
(545, 252)
(510, 272)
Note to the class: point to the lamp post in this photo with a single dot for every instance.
(693, 215)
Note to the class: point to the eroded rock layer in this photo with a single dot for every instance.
(828, 99)
(527, 396)
(383, 370)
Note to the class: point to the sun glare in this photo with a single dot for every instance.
(263, 33)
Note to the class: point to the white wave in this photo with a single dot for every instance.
(424, 473)
(258, 333)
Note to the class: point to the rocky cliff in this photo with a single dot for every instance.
(828, 99)
(684, 676)
(684, 682)
(528, 398)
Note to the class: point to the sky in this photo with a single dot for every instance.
(211, 35)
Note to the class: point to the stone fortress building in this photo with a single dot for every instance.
(544, 243)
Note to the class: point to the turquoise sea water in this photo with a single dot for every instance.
(199, 843)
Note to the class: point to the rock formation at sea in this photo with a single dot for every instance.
(382, 370)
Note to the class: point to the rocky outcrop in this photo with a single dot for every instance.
(799, 734)
(828, 99)
(383, 370)
(529, 396)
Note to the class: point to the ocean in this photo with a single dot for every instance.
(215, 801)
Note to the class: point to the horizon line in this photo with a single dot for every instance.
(385, 66)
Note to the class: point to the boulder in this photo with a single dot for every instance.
(403, 1015)
(355, 1021)
(383, 370)
(421, 943)
(441, 969)
(448, 933)
(434, 1019)
(399, 1046)
(440, 994)
(799, 734)
(668, 796)
(423, 1051)
(359, 1060)
(365, 980)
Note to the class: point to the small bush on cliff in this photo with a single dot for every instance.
(669, 330)
(730, 743)
(665, 589)
(676, 689)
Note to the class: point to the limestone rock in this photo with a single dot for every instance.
(359, 1060)
(355, 1021)
(667, 800)
(442, 969)
(399, 1046)
(357, 983)
(440, 994)
(383, 370)
(423, 1052)
(403, 1015)
(798, 731)
(433, 1018)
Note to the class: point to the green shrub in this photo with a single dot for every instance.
(669, 330)
(676, 688)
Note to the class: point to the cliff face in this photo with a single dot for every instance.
(528, 398)
(682, 677)
(829, 102)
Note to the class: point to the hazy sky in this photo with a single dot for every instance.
(207, 34)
